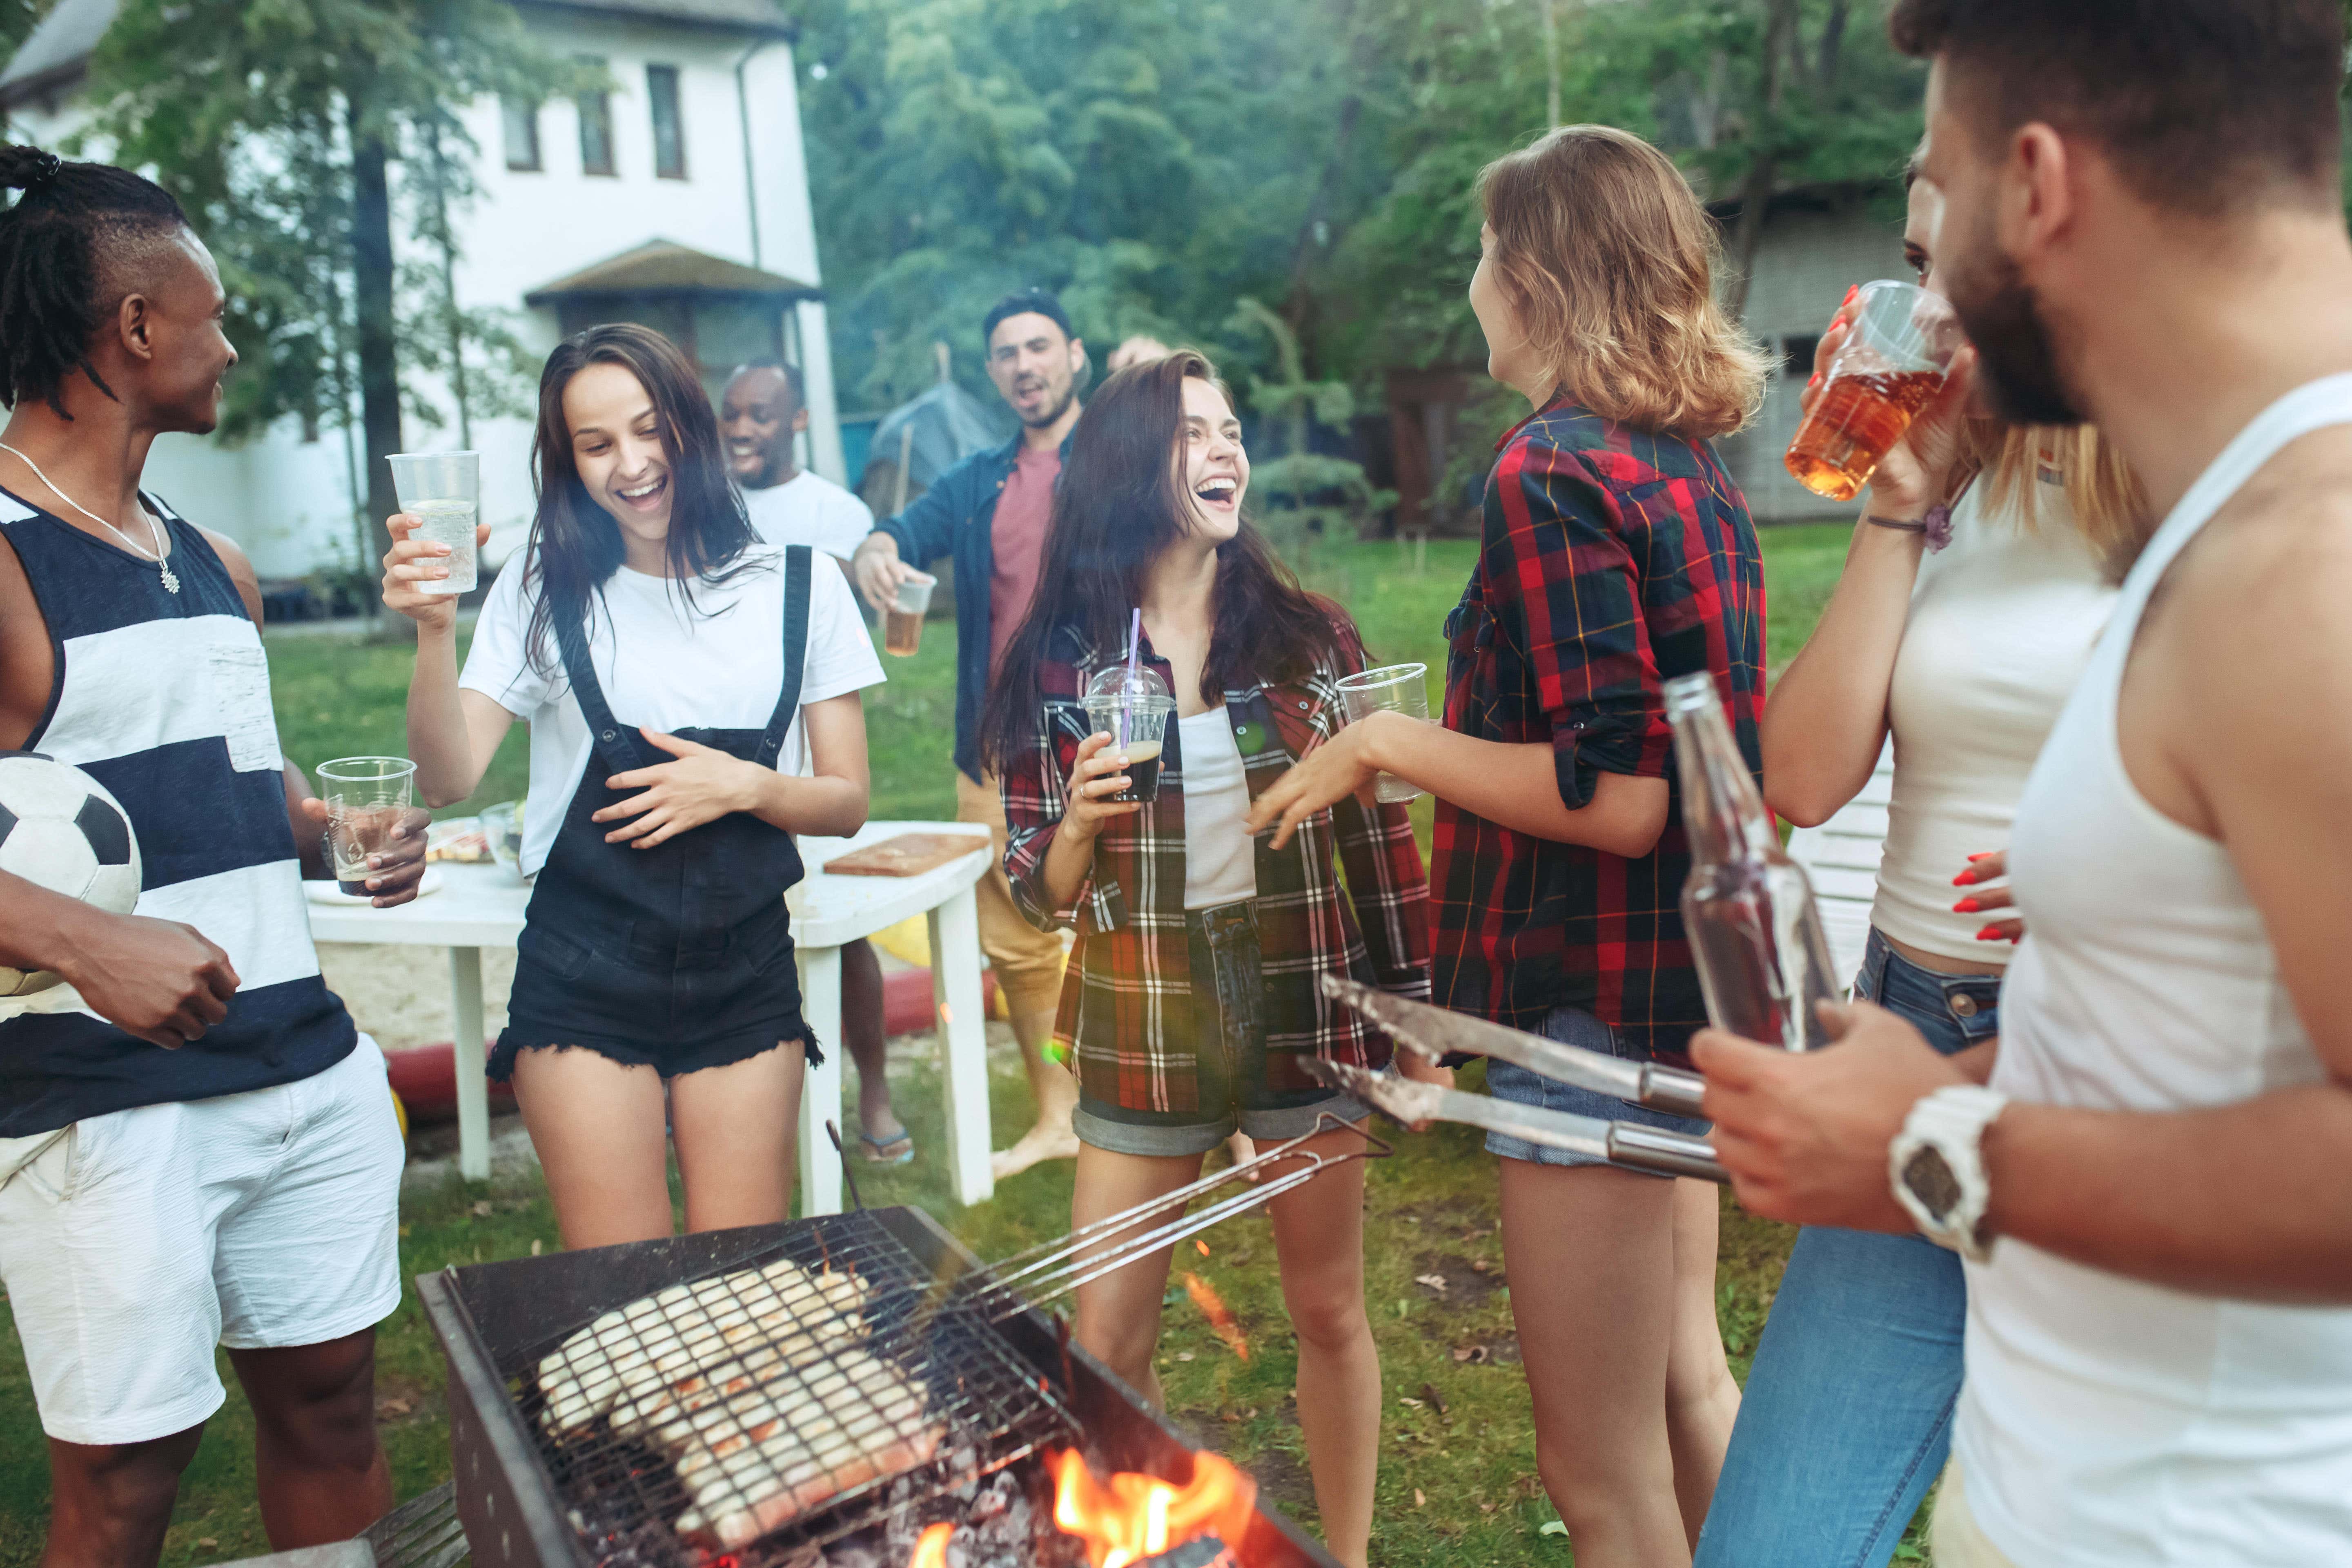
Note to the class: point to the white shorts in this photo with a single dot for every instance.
(136, 1242)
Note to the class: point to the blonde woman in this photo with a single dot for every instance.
(1959, 630)
(1617, 555)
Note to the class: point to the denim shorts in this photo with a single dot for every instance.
(1954, 1011)
(1573, 1026)
(1229, 999)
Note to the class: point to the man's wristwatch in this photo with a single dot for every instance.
(1939, 1170)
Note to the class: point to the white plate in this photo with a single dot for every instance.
(329, 893)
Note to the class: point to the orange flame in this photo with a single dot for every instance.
(932, 1551)
(1221, 1317)
(1133, 1517)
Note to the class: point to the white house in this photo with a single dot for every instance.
(679, 199)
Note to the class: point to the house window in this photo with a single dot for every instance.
(1796, 355)
(669, 131)
(596, 134)
(522, 135)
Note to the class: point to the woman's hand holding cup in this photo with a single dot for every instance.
(411, 562)
(1100, 773)
(1917, 471)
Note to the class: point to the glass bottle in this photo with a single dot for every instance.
(1748, 909)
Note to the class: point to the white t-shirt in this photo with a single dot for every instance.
(1220, 862)
(2002, 623)
(719, 665)
(810, 510)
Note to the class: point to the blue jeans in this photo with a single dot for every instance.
(1847, 1415)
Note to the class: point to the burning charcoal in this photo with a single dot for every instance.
(862, 1552)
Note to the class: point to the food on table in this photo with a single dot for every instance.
(753, 1385)
(460, 840)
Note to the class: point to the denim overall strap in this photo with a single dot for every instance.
(615, 741)
(799, 559)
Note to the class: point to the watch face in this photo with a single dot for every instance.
(1931, 1181)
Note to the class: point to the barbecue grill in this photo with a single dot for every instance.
(1002, 1380)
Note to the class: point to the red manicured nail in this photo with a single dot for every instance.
(1967, 906)
(1964, 879)
(1852, 290)
(1814, 382)
(1985, 856)
(1990, 933)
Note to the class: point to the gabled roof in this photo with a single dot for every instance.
(666, 266)
(747, 16)
(54, 52)
(58, 50)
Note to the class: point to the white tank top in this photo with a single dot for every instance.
(2107, 1421)
(1999, 627)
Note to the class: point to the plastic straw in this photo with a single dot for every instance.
(1134, 648)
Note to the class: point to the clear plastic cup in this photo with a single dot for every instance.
(443, 490)
(1890, 365)
(1396, 689)
(1133, 711)
(366, 797)
(902, 623)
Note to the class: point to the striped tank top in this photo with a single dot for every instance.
(164, 698)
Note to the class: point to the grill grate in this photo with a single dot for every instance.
(771, 1406)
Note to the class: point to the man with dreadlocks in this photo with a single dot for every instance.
(196, 1148)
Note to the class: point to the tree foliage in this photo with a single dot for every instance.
(1157, 163)
(297, 133)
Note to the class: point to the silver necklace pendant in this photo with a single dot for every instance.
(171, 578)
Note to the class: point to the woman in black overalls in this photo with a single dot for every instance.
(654, 980)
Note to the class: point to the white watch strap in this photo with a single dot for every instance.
(1951, 1122)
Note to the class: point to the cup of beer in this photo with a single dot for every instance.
(366, 797)
(902, 623)
(1133, 710)
(1890, 365)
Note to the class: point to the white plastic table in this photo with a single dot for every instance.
(482, 906)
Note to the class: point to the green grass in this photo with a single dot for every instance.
(1466, 1444)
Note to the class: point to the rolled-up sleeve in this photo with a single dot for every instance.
(1565, 588)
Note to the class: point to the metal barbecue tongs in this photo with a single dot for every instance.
(1052, 1270)
(1431, 1032)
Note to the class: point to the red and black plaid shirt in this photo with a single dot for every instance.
(1128, 1001)
(1611, 562)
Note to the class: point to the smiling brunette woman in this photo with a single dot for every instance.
(1193, 995)
(674, 672)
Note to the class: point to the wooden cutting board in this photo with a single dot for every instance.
(908, 855)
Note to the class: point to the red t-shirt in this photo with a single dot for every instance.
(1018, 538)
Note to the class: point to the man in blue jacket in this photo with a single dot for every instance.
(989, 512)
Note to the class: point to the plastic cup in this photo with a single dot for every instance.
(1890, 365)
(1146, 715)
(443, 490)
(902, 623)
(366, 797)
(1395, 688)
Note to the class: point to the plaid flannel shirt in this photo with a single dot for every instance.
(1611, 561)
(1128, 1004)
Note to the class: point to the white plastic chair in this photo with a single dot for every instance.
(1841, 857)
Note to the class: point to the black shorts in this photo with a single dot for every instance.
(643, 1000)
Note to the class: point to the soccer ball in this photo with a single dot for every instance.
(60, 830)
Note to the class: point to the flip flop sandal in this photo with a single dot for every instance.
(873, 1155)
